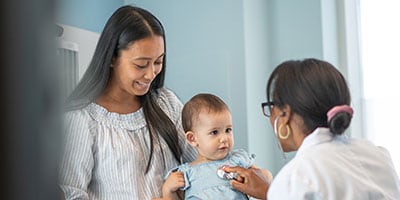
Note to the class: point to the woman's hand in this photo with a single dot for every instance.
(252, 181)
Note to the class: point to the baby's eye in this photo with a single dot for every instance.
(228, 130)
(214, 132)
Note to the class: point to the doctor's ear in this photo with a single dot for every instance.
(191, 138)
(285, 111)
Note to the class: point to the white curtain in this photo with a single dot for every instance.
(68, 59)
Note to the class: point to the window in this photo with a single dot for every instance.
(380, 53)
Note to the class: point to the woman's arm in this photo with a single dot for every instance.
(77, 157)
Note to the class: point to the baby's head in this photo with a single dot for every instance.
(207, 122)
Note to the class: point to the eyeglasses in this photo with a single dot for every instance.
(267, 107)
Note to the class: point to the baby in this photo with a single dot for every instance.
(207, 122)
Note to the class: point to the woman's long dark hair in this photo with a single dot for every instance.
(311, 87)
(127, 25)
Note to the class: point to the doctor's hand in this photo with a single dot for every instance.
(252, 181)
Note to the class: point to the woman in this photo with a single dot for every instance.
(309, 109)
(123, 129)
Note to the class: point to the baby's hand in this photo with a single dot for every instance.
(174, 181)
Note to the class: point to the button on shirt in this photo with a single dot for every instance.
(336, 167)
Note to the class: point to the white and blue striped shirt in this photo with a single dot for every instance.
(106, 153)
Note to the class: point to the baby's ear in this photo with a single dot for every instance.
(191, 138)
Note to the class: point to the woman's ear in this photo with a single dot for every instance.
(191, 138)
(286, 113)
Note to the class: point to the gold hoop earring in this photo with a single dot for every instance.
(284, 137)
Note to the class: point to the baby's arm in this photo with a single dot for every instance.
(170, 188)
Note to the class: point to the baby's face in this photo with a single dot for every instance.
(214, 135)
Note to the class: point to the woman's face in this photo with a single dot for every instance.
(138, 65)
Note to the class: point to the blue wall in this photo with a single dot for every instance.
(86, 14)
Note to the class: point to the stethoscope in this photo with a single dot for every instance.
(227, 175)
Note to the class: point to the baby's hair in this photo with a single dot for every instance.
(200, 102)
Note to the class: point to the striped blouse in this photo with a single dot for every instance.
(106, 153)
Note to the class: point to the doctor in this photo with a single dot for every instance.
(308, 104)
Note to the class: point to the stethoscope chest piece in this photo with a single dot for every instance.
(225, 175)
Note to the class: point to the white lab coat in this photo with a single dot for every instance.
(336, 167)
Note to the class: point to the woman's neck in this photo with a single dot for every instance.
(119, 103)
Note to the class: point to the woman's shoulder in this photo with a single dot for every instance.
(169, 101)
(77, 121)
(77, 113)
(167, 94)
(79, 118)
